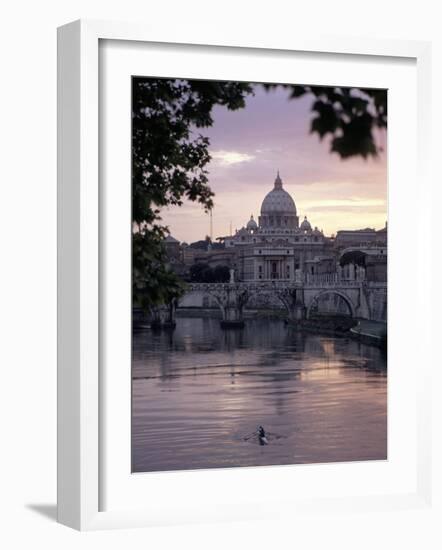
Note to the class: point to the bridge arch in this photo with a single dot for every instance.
(314, 300)
(231, 299)
(218, 292)
(299, 301)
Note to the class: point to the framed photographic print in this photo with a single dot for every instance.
(262, 329)
(231, 276)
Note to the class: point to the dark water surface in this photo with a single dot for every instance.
(199, 394)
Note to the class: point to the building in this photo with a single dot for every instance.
(279, 247)
(173, 249)
(361, 237)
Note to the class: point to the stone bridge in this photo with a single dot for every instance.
(299, 298)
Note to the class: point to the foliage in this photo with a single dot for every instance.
(153, 283)
(349, 116)
(169, 158)
(203, 273)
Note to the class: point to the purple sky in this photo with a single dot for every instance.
(272, 132)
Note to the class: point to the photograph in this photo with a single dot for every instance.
(222, 353)
(259, 274)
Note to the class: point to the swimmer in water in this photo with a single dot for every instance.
(262, 436)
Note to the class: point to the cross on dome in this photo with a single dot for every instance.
(278, 181)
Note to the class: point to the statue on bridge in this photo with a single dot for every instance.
(297, 297)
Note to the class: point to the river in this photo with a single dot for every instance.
(199, 393)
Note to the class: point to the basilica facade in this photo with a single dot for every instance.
(278, 247)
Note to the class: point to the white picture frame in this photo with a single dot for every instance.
(79, 265)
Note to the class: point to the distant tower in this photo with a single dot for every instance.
(211, 226)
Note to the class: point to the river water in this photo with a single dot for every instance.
(199, 393)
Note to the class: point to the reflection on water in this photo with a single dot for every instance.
(199, 394)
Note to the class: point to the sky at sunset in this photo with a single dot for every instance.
(248, 146)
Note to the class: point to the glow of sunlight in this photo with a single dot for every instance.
(227, 158)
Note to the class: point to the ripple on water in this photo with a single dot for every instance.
(199, 394)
